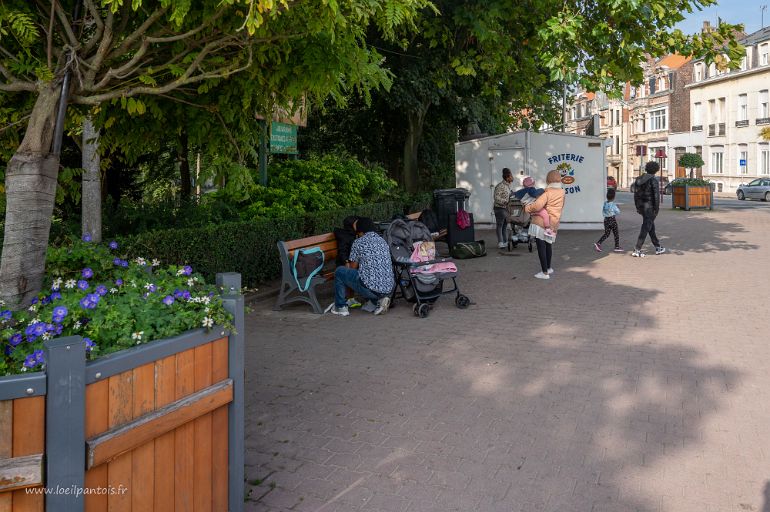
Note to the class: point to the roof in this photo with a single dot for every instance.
(673, 61)
(759, 36)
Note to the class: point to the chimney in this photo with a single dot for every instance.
(706, 27)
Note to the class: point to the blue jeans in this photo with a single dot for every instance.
(345, 277)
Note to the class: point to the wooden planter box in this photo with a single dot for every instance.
(688, 197)
(158, 427)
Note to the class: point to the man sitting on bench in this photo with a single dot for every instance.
(369, 271)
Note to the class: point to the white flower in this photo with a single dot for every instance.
(137, 336)
(133, 283)
(180, 272)
(208, 322)
(24, 368)
(56, 283)
(190, 282)
(113, 290)
(76, 325)
(35, 320)
(46, 336)
(205, 299)
(141, 261)
(206, 309)
(155, 263)
(2, 303)
(195, 278)
(33, 308)
(147, 286)
(71, 283)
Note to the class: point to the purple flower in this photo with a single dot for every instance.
(119, 282)
(83, 284)
(55, 296)
(58, 330)
(15, 339)
(124, 263)
(152, 288)
(187, 270)
(34, 301)
(87, 237)
(35, 358)
(101, 290)
(33, 331)
(46, 300)
(168, 300)
(113, 245)
(59, 312)
(117, 261)
(90, 301)
(89, 344)
(87, 273)
(5, 315)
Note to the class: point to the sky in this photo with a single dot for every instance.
(731, 11)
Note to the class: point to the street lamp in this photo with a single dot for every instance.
(660, 155)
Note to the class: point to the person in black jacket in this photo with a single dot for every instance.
(646, 191)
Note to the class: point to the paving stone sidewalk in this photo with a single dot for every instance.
(621, 384)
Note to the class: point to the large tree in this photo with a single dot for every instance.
(119, 50)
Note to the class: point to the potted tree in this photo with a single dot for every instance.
(691, 161)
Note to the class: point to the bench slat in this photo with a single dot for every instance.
(310, 241)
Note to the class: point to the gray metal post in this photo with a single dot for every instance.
(230, 283)
(65, 423)
(264, 144)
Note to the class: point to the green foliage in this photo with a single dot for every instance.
(112, 303)
(691, 161)
(692, 182)
(320, 183)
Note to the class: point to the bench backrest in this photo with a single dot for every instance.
(326, 242)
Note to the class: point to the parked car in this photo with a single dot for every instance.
(757, 189)
(612, 182)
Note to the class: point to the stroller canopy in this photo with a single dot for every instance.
(402, 235)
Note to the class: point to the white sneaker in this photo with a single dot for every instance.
(341, 311)
(502, 245)
(383, 306)
(660, 250)
(550, 271)
(637, 254)
(541, 275)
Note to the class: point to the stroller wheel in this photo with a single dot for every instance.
(462, 301)
(421, 310)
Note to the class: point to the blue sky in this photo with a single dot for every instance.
(731, 11)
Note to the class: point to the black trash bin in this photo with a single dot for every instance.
(448, 201)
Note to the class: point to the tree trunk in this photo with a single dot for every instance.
(30, 183)
(91, 203)
(415, 120)
(183, 152)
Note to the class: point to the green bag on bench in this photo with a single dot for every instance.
(467, 250)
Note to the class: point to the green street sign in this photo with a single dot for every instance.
(283, 138)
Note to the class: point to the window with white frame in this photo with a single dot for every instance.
(764, 158)
(699, 72)
(712, 111)
(743, 159)
(744, 61)
(658, 121)
(697, 114)
(743, 107)
(717, 160)
(721, 111)
(764, 57)
(764, 106)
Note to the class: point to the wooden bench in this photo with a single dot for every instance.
(290, 291)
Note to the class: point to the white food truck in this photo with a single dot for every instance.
(579, 159)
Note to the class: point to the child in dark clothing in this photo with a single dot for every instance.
(527, 195)
(609, 211)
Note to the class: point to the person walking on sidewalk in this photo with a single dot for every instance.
(369, 271)
(553, 202)
(610, 210)
(646, 191)
(501, 197)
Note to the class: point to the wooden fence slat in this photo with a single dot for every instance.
(129, 436)
(165, 393)
(21, 472)
(97, 421)
(6, 447)
(28, 439)
(219, 489)
(120, 412)
(143, 457)
(202, 429)
(184, 436)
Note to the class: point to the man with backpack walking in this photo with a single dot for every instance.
(646, 191)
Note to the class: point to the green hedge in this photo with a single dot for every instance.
(249, 247)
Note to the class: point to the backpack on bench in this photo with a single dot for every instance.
(307, 264)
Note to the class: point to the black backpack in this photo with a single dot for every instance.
(428, 217)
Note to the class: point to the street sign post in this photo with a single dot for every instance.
(283, 138)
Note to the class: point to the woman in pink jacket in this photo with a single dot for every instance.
(552, 200)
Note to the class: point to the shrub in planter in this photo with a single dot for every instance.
(113, 303)
(690, 193)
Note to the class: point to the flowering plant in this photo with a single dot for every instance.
(113, 303)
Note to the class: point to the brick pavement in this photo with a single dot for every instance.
(619, 385)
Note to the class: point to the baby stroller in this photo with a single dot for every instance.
(416, 280)
(518, 219)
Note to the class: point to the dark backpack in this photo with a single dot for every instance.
(345, 238)
(428, 217)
